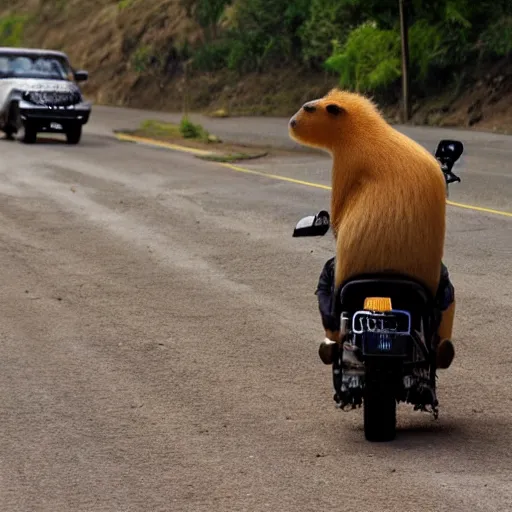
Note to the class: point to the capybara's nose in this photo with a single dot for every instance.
(293, 122)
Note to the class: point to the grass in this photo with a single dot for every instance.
(194, 135)
(185, 130)
(151, 128)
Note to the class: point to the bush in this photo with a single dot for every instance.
(144, 59)
(369, 59)
(212, 56)
(11, 30)
(263, 32)
(189, 130)
(141, 58)
(496, 41)
(328, 20)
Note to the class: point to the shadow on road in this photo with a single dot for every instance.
(473, 435)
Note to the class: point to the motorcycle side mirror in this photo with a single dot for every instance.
(449, 150)
(313, 225)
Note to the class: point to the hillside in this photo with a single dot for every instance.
(137, 53)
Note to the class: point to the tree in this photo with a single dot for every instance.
(207, 13)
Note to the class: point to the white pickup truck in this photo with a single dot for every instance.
(39, 93)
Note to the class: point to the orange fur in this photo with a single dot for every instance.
(388, 197)
(388, 192)
(446, 327)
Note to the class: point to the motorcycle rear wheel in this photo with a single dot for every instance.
(379, 405)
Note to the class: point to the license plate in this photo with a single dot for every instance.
(394, 322)
(383, 333)
(56, 126)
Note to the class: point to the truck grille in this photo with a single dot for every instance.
(53, 98)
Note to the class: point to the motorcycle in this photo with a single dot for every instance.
(386, 354)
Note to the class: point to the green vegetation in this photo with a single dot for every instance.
(11, 30)
(359, 40)
(124, 4)
(186, 130)
(141, 59)
(152, 128)
(369, 59)
(189, 130)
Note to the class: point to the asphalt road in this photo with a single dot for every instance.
(159, 339)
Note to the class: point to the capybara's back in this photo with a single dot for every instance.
(388, 192)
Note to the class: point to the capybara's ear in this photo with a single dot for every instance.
(334, 109)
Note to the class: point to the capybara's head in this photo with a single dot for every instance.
(329, 121)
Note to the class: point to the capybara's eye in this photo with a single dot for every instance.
(309, 107)
(333, 109)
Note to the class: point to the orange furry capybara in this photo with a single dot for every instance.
(388, 197)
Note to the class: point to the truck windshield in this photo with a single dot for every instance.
(21, 65)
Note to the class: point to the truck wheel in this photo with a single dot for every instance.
(74, 133)
(30, 135)
(9, 132)
(379, 405)
(11, 125)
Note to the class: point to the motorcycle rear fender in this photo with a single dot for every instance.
(403, 292)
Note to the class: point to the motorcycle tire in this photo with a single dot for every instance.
(379, 405)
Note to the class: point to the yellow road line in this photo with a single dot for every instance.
(237, 168)
(327, 187)
(275, 176)
(479, 208)
(168, 145)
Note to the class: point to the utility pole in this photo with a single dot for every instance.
(406, 112)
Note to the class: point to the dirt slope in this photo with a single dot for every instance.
(116, 41)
